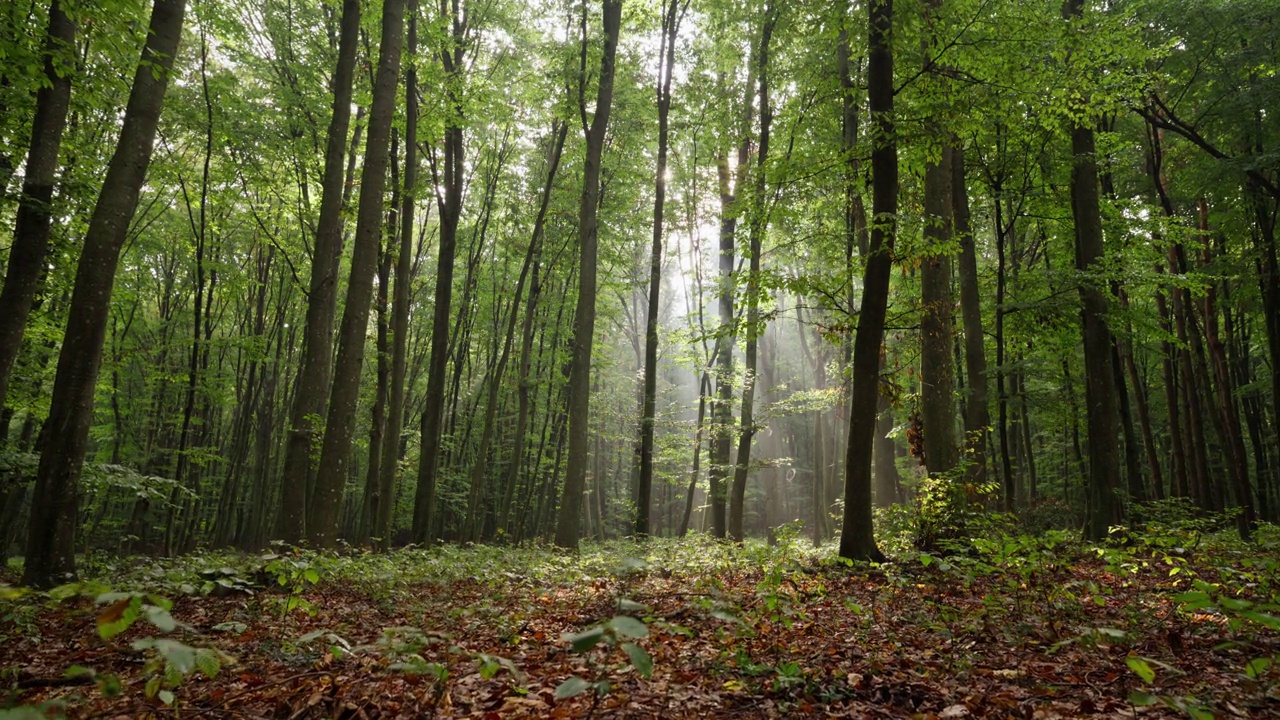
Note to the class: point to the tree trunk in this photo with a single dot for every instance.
(857, 540)
(401, 297)
(314, 375)
(977, 417)
(1104, 508)
(450, 208)
(50, 552)
(666, 59)
(34, 219)
(1229, 415)
(937, 372)
(569, 520)
(378, 438)
(759, 225)
(335, 452)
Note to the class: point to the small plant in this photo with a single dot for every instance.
(614, 635)
(297, 574)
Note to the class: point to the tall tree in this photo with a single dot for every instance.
(335, 453)
(857, 540)
(452, 54)
(401, 299)
(671, 17)
(35, 213)
(317, 358)
(753, 327)
(50, 555)
(977, 417)
(568, 523)
(1100, 398)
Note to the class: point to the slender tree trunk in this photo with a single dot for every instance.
(335, 452)
(450, 208)
(1010, 481)
(1100, 400)
(666, 60)
(937, 372)
(50, 552)
(856, 539)
(378, 438)
(1125, 348)
(753, 327)
(568, 523)
(401, 296)
(977, 417)
(937, 369)
(34, 219)
(314, 375)
(1228, 414)
(704, 392)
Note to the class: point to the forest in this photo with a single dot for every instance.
(657, 358)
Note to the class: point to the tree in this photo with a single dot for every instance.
(754, 326)
(35, 212)
(400, 302)
(50, 555)
(671, 17)
(452, 54)
(314, 377)
(569, 520)
(335, 453)
(1100, 399)
(856, 539)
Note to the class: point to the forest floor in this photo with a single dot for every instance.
(1170, 625)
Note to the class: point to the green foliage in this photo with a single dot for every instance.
(616, 634)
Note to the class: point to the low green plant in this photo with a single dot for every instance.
(614, 635)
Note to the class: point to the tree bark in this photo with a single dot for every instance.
(450, 209)
(35, 213)
(666, 60)
(977, 417)
(335, 452)
(50, 552)
(317, 358)
(569, 519)
(857, 541)
(753, 327)
(401, 297)
(1104, 508)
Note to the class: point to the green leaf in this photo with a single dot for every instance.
(571, 688)
(161, 618)
(1141, 668)
(1270, 622)
(25, 712)
(152, 687)
(1257, 666)
(311, 576)
(627, 626)
(208, 663)
(626, 605)
(640, 659)
(1142, 699)
(166, 696)
(584, 640)
(78, 671)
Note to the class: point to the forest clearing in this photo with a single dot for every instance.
(1178, 623)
